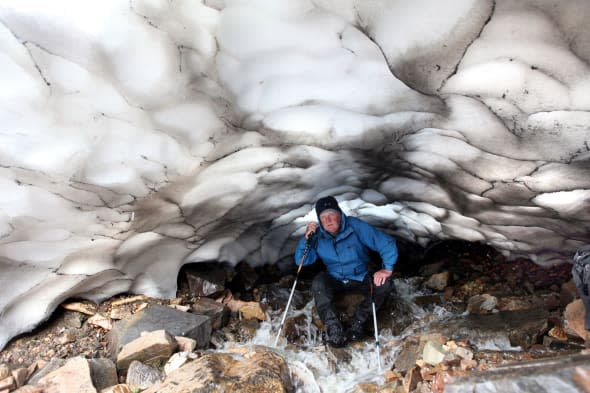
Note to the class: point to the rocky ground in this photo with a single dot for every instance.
(514, 303)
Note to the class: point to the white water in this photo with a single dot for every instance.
(315, 369)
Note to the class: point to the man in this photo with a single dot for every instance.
(343, 244)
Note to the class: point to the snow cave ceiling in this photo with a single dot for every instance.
(139, 136)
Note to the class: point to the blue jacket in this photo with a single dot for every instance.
(346, 255)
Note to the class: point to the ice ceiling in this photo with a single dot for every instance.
(138, 136)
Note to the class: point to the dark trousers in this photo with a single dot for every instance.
(581, 276)
(324, 287)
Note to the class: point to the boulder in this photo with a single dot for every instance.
(574, 319)
(157, 317)
(119, 388)
(142, 376)
(568, 293)
(258, 372)
(433, 353)
(151, 348)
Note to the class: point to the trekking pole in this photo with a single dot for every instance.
(307, 245)
(375, 328)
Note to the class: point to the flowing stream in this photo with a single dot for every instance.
(315, 368)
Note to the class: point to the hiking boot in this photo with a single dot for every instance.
(336, 337)
(356, 331)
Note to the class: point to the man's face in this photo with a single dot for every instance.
(331, 222)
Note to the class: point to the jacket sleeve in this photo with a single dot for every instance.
(311, 256)
(377, 241)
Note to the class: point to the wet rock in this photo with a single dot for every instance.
(247, 310)
(438, 281)
(141, 376)
(482, 304)
(433, 353)
(73, 377)
(103, 373)
(278, 297)
(218, 312)
(411, 379)
(156, 317)
(151, 348)
(259, 372)
(541, 376)
(574, 319)
(240, 331)
(206, 280)
(297, 329)
(497, 331)
(407, 357)
(582, 378)
(514, 303)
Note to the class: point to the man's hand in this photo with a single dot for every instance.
(381, 276)
(311, 228)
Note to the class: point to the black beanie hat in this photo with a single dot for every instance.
(326, 203)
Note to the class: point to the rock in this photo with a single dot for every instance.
(247, 310)
(4, 371)
(278, 297)
(463, 353)
(407, 357)
(568, 293)
(499, 330)
(157, 317)
(68, 336)
(438, 281)
(101, 321)
(151, 348)
(540, 376)
(20, 376)
(141, 376)
(120, 388)
(411, 379)
(557, 333)
(73, 377)
(259, 372)
(185, 344)
(431, 268)
(84, 308)
(207, 282)
(103, 373)
(574, 319)
(218, 312)
(481, 304)
(296, 329)
(8, 383)
(515, 303)
(433, 353)
(175, 362)
(51, 366)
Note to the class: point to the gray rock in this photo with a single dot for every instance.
(218, 312)
(143, 376)
(53, 365)
(541, 376)
(497, 331)
(156, 317)
(103, 373)
(438, 281)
